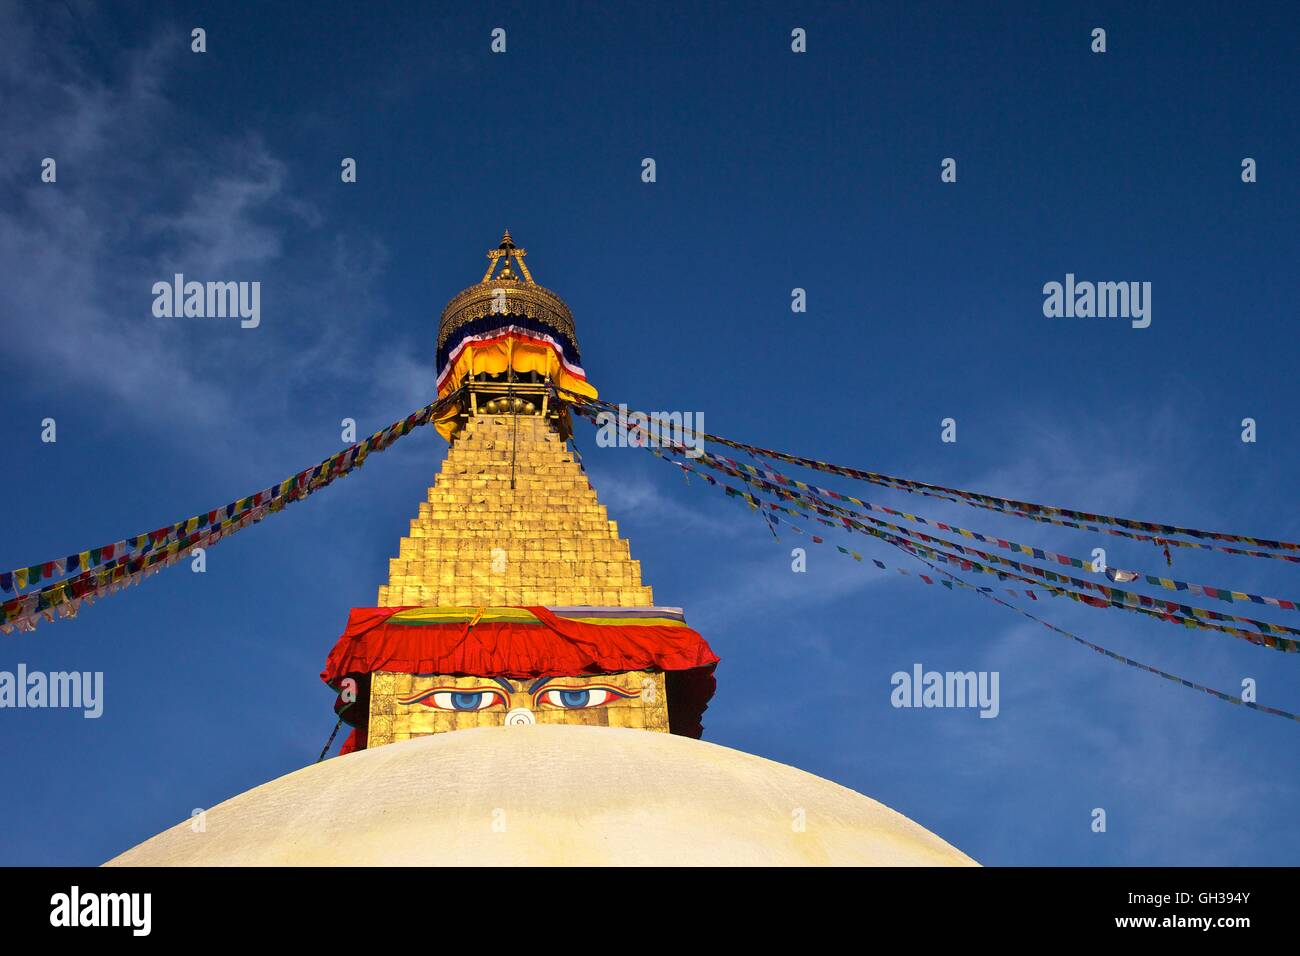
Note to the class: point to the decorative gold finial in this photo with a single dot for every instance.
(507, 251)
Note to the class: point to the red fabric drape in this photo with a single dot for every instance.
(556, 647)
(356, 741)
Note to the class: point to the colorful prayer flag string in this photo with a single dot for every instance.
(880, 565)
(780, 485)
(753, 502)
(1229, 698)
(1186, 615)
(1006, 505)
(108, 571)
(1117, 598)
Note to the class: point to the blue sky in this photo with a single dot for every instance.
(774, 171)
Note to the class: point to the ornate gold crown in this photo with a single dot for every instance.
(523, 297)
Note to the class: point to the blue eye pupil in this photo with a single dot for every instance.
(461, 701)
(575, 698)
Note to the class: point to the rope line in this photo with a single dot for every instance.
(906, 546)
(66, 597)
(1006, 505)
(329, 743)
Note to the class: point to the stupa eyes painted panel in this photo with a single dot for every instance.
(408, 706)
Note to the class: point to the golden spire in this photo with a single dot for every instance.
(531, 331)
(507, 250)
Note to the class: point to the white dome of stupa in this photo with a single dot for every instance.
(548, 794)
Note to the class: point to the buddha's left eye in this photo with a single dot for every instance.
(576, 698)
(442, 698)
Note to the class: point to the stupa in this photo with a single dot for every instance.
(516, 696)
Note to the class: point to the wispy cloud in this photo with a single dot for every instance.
(630, 492)
(145, 192)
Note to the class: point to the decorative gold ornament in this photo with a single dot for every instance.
(506, 294)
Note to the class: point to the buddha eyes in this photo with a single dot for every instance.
(481, 698)
(577, 698)
(442, 698)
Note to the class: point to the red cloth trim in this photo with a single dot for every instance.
(356, 741)
(555, 648)
(558, 648)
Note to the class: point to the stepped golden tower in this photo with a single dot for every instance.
(516, 696)
(512, 519)
(516, 599)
